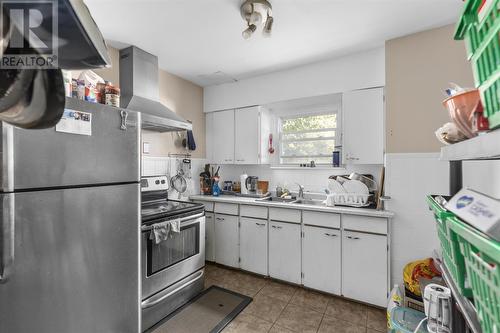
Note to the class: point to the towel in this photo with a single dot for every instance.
(190, 140)
(175, 227)
(162, 231)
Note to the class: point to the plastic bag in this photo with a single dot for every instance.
(416, 270)
(449, 134)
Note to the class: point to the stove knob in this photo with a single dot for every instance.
(157, 182)
(163, 182)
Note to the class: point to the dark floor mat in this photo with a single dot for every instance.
(209, 312)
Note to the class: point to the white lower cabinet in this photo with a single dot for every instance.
(209, 236)
(226, 240)
(321, 259)
(364, 267)
(253, 245)
(285, 251)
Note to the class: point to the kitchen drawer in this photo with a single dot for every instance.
(226, 208)
(285, 215)
(209, 206)
(320, 219)
(253, 211)
(375, 225)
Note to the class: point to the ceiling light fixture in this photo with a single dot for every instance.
(254, 12)
(248, 32)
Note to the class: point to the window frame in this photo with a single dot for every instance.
(330, 110)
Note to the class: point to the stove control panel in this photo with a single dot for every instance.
(155, 183)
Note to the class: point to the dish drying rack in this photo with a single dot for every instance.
(348, 199)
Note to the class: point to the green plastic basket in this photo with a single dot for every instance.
(450, 247)
(482, 261)
(479, 27)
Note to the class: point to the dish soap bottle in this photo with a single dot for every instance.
(215, 188)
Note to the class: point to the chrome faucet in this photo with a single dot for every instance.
(301, 191)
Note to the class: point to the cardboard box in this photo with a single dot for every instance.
(478, 210)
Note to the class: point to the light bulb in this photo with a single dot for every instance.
(247, 33)
(268, 27)
(255, 18)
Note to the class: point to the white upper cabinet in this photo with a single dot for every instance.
(363, 126)
(223, 137)
(238, 136)
(209, 136)
(247, 136)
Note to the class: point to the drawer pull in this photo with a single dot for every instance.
(260, 224)
(330, 235)
(354, 238)
(277, 227)
(220, 219)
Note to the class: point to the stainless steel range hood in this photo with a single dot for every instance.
(140, 91)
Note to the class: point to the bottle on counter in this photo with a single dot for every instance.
(215, 187)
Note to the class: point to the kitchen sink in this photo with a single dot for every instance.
(309, 202)
(276, 199)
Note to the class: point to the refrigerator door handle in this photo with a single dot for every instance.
(7, 234)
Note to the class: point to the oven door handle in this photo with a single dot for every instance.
(192, 218)
(160, 297)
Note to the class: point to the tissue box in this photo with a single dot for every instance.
(478, 210)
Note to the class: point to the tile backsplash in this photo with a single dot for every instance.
(156, 166)
(314, 180)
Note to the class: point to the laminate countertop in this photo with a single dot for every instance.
(255, 202)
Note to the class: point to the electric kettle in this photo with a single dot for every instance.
(251, 184)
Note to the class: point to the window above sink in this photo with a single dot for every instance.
(309, 137)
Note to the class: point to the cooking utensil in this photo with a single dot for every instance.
(271, 148)
(178, 182)
(41, 105)
(15, 84)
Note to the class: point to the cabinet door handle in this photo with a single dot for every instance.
(330, 235)
(354, 238)
(260, 224)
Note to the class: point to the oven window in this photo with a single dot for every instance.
(179, 247)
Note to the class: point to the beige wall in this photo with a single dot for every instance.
(418, 69)
(183, 97)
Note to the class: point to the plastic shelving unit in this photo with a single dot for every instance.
(483, 147)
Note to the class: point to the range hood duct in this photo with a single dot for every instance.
(140, 92)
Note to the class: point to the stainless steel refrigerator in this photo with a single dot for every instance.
(70, 216)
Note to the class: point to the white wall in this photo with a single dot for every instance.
(409, 179)
(482, 176)
(361, 70)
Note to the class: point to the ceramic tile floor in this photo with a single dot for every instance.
(282, 308)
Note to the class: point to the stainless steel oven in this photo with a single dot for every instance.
(165, 263)
(172, 269)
